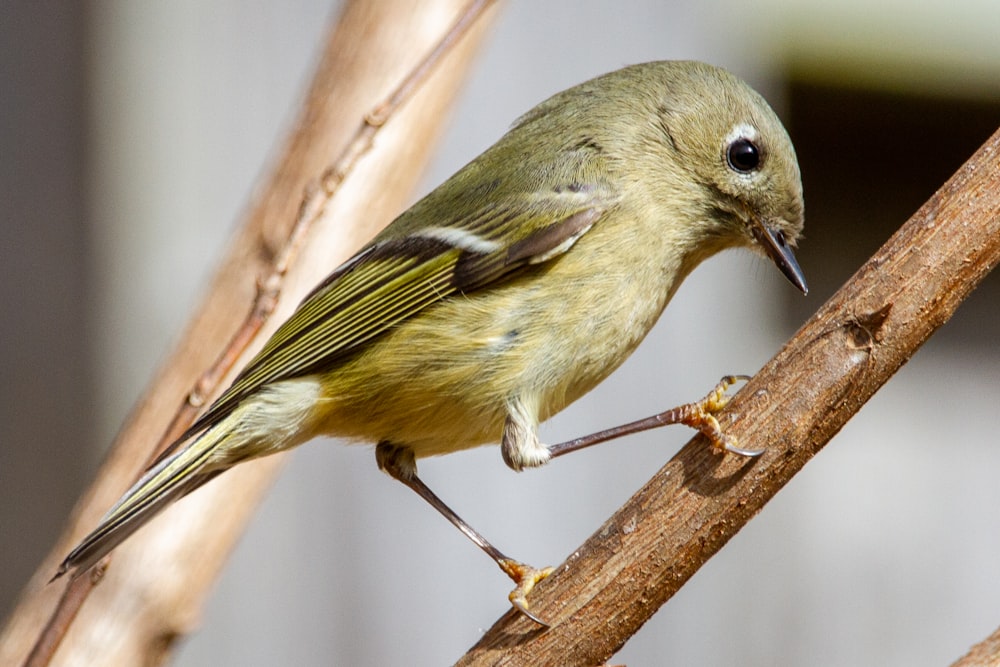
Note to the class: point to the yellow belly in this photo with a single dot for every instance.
(440, 382)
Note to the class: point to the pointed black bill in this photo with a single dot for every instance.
(773, 243)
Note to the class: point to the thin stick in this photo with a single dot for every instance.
(314, 204)
(59, 617)
(268, 291)
(644, 553)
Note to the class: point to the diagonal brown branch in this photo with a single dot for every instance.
(984, 654)
(643, 554)
(141, 603)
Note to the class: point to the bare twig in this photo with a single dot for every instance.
(644, 553)
(314, 203)
(371, 47)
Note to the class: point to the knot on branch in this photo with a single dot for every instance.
(866, 329)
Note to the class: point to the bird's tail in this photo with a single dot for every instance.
(167, 480)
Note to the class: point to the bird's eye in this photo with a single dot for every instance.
(743, 155)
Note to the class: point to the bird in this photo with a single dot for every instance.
(507, 293)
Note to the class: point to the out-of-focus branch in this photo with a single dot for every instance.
(145, 600)
(643, 554)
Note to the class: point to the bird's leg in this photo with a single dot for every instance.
(521, 449)
(519, 445)
(698, 415)
(400, 464)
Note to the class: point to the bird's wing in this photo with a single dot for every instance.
(397, 275)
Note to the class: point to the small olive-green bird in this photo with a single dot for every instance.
(508, 292)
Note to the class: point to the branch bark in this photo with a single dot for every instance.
(984, 654)
(153, 593)
(643, 554)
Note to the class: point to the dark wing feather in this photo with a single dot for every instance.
(393, 279)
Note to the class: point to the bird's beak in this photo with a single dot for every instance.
(773, 243)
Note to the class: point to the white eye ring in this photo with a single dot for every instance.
(745, 130)
(741, 149)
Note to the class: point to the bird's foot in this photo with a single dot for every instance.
(525, 577)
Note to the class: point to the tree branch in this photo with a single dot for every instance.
(643, 554)
(984, 654)
(160, 577)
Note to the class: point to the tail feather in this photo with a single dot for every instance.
(168, 480)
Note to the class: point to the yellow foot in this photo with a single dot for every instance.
(525, 577)
(701, 416)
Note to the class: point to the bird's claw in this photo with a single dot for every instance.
(703, 418)
(717, 398)
(730, 445)
(525, 577)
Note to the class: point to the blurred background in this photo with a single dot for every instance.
(131, 136)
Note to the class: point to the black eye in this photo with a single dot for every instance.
(743, 155)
